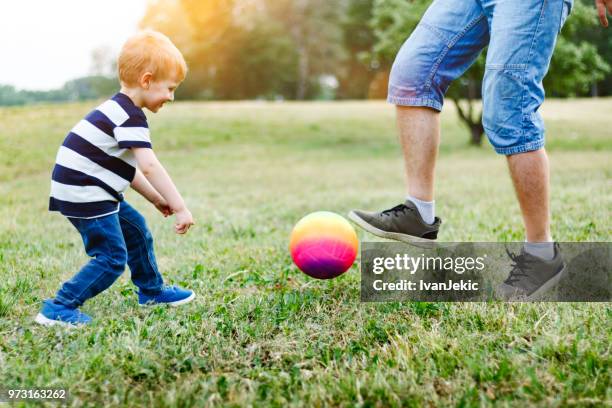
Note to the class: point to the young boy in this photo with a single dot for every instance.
(101, 156)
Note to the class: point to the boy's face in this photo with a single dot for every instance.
(158, 93)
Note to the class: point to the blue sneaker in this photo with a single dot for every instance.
(170, 295)
(53, 314)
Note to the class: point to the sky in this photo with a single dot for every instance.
(44, 43)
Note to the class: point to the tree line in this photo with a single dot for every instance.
(326, 49)
(299, 49)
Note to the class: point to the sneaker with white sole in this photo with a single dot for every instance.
(530, 276)
(401, 223)
(53, 314)
(170, 295)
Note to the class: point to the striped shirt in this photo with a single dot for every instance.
(95, 164)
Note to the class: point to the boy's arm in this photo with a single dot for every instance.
(156, 174)
(144, 188)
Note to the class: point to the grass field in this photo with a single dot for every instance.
(260, 333)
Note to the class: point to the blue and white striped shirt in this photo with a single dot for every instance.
(95, 164)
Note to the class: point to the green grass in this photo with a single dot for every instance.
(261, 333)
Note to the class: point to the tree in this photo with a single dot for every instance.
(577, 63)
(357, 71)
(262, 63)
(392, 22)
(252, 48)
(314, 26)
(103, 62)
(90, 87)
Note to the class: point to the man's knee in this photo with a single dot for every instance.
(502, 93)
(412, 80)
(510, 114)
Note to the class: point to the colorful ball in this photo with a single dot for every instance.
(323, 245)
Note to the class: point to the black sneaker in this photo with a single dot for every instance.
(531, 276)
(401, 223)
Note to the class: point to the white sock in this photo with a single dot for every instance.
(544, 250)
(427, 209)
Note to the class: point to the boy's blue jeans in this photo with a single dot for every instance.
(521, 37)
(112, 241)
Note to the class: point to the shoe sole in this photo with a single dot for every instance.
(538, 293)
(546, 286)
(45, 321)
(173, 304)
(397, 236)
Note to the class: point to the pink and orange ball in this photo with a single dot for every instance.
(323, 245)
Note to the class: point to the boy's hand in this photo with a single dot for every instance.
(184, 220)
(162, 205)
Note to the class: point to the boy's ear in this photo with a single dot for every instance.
(146, 79)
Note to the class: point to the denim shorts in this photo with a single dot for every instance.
(520, 36)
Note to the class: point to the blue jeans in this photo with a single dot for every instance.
(521, 36)
(112, 241)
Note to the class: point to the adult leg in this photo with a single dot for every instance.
(419, 134)
(447, 40)
(523, 37)
(530, 176)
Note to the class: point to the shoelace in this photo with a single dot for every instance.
(401, 208)
(518, 267)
